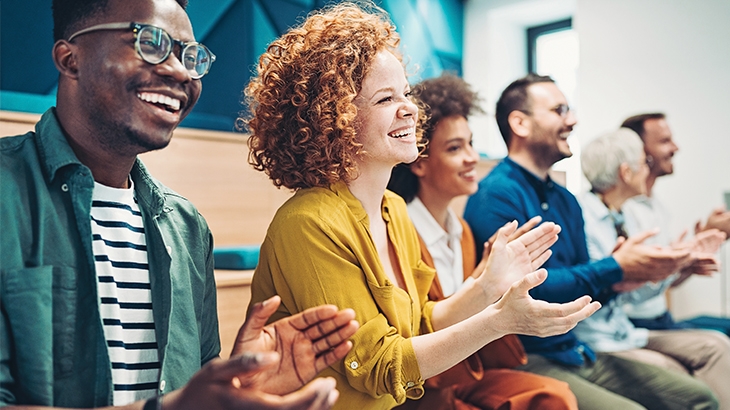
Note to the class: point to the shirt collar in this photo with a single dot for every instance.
(53, 148)
(541, 187)
(56, 153)
(427, 226)
(592, 204)
(147, 189)
(341, 189)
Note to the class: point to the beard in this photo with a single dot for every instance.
(121, 139)
(545, 148)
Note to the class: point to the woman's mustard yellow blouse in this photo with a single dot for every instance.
(318, 250)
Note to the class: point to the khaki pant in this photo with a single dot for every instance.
(616, 383)
(705, 354)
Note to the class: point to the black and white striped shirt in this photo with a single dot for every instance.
(125, 299)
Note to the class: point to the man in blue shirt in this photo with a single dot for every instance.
(535, 121)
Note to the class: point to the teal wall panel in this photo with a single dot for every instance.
(237, 31)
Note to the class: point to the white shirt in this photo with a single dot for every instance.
(645, 214)
(609, 329)
(443, 245)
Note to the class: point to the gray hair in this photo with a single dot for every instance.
(602, 157)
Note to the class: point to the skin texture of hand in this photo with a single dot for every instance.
(703, 247)
(222, 384)
(307, 343)
(708, 241)
(642, 263)
(515, 312)
(521, 314)
(526, 227)
(702, 260)
(509, 261)
(718, 219)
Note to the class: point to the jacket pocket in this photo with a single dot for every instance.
(41, 306)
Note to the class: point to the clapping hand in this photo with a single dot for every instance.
(521, 314)
(510, 260)
(307, 342)
(220, 385)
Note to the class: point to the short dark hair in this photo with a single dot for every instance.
(70, 16)
(636, 122)
(515, 98)
(441, 97)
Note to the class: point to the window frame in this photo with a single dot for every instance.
(533, 33)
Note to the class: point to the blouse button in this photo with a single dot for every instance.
(354, 365)
(162, 385)
(410, 384)
(544, 206)
(64, 188)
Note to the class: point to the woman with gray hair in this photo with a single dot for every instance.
(616, 167)
(615, 163)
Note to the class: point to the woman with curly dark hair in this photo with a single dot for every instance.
(446, 170)
(331, 115)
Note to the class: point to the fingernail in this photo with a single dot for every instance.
(236, 382)
(249, 358)
(334, 394)
(258, 359)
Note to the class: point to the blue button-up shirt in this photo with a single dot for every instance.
(509, 193)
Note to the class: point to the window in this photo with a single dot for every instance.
(552, 49)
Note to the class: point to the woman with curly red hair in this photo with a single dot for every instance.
(331, 115)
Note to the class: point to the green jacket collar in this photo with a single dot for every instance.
(56, 153)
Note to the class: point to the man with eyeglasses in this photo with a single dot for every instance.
(535, 121)
(107, 295)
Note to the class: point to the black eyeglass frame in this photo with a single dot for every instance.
(136, 28)
(561, 109)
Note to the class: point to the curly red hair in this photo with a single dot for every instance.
(302, 114)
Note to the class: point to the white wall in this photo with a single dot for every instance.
(635, 56)
(671, 56)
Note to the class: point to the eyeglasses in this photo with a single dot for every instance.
(561, 109)
(155, 45)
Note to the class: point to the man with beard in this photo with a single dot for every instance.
(649, 308)
(107, 295)
(535, 121)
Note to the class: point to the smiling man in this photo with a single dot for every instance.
(648, 212)
(107, 295)
(535, 121)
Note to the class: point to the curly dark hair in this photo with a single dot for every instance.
(301, 102)
(70, 16)
(442, 97)
(515, 98)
